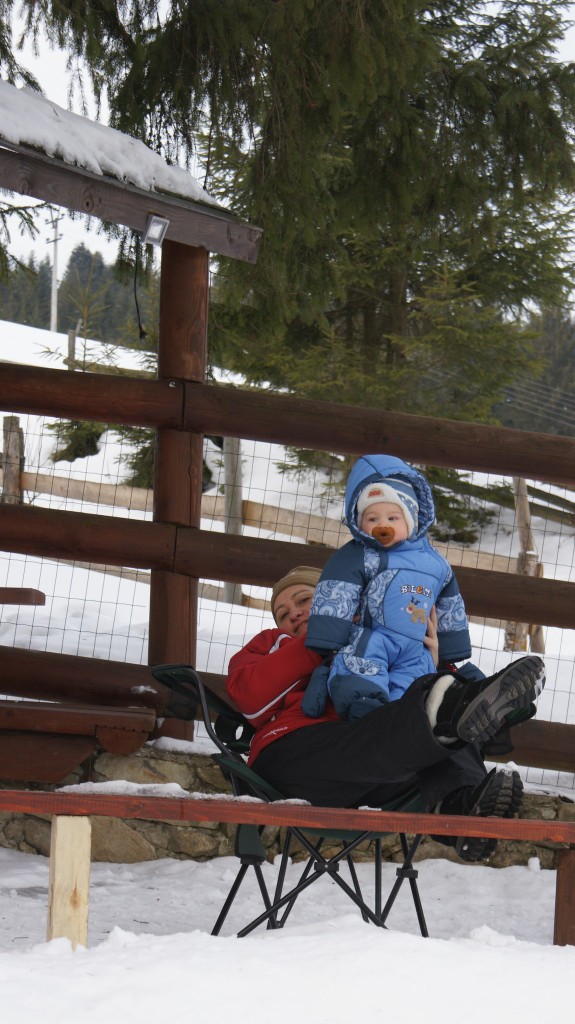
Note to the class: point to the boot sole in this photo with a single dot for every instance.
(500, 798)
(515, 687)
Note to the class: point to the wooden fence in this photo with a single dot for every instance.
(183, 410)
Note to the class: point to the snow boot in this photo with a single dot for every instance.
(471, 710)
(498, 796)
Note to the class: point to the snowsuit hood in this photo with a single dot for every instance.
(371, 468)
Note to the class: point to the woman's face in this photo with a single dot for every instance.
(291, 608)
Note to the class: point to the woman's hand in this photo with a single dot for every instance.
(430, 639)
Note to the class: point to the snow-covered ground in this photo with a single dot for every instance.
(151, 958)
(150, 955)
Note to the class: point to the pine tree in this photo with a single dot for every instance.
(409, 163)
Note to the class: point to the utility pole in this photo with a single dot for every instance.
(53, 221)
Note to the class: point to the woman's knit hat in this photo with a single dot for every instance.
(397, 492)
(306, 574)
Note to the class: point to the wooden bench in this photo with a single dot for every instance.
(70, 846)
(44, 742)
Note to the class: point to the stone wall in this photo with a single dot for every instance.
(129, 841)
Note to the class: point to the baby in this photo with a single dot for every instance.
(375, 595)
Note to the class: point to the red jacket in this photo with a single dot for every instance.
(267, 679)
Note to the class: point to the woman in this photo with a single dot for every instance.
(428, 738)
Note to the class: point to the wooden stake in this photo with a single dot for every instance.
(564, 932)
(69, 883)
(12, 460)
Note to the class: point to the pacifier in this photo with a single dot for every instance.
(384, 535)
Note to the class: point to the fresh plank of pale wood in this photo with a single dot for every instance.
(68, 892)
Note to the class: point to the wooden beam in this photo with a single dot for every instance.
(50, 392)
(27, 757)
(564, 929)
(325, 426)
(284, 812)
(45, 675)
(30, 173)
(53, 533)
(212, 555)
(65, 677)
(79, 720)
(205, 554)
(539, 744)
(69, 880)
(287, 420)
(21, 595)
(179, 454)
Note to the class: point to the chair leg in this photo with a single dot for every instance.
(281, 877)
(378, 870)
(230, 899)
(356, 884)
(406, 871)
(272, 923)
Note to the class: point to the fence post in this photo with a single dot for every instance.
(232, 504)
(12, 461)
(69, 883)
(519, 634)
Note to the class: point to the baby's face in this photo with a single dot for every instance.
(386, 522)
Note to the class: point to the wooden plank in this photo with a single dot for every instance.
(218, 556)
(325, 426)
(42, 391)
(80, 720)
(564, 929)
(52, 533)
(49, 758)
(45, 675)
(116, 495)
(254, 812)
(69, 880)
(31, 173)
(21, 595)
(539, 744)
(288, 420)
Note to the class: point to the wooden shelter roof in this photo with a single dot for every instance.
(58, 157)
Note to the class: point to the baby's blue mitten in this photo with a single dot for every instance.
(315, 696)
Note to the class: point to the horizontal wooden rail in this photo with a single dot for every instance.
(69, 678)
(73, 679)
(201, 554)
(58, 393)
(289, 522)
(288, 420)
(248, 811)
(44, 742)
(325, 426)
(21, 595)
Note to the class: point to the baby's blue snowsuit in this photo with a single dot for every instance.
(390, 593)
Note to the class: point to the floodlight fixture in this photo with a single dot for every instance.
(155, 230)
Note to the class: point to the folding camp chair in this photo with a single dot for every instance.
(232, 733)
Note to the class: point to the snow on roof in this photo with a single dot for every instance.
(27, 117)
